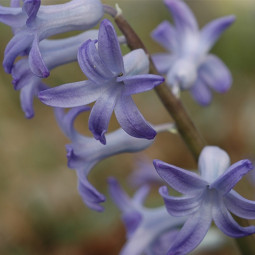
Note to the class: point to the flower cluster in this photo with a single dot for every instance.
(181, 224)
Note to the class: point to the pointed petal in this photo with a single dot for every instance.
(232, 176)
(66, 120)
(193, 231)
(15, 47)
(213, 30)
(163, 62)
(239, 205)
(201, 93)
(165, 35)
(131, 120)
(31, 7)
(136, 62)
(214, 73)
(180, 206)
(92, 65)
(225, 222)
(71, 94)
(101, 113)
(36, 61)
(183, 17)
(13, 17)
(109, 47)
(180, 179)
(140, 83)
(212, 163)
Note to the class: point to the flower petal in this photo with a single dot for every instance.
(165, 35)
(239, 205)
(31, 7)
(212, 163)
(136, 62)
(180, 206)
(183, 17)
(140, 83)
(36, 61)
(225, 222)
(180, 179)
(193, 231)
(232, 176)
(72, 94)
(13, 17)
(131, 120)
(213, 30)
(101, 113)
(92, 65)
(201, 93)
(163, 62)
(109, 47)
(214, 73)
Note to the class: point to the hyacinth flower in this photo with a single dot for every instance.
(112, 80)
(146, 227)
(208, 197)
(85, 152)
(54, 53)
(34, 22)
(189, 66)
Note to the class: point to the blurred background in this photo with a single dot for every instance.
(40, 209)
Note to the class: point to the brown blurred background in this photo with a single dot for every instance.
(40, 209)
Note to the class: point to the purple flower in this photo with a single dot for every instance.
(33, 23)
(54, 53)
(85, 152)
(146, 227)
(207, 198)
(189, 66)
(112, 81)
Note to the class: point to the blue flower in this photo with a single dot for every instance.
(33, 23)
(146, 227)
(54, 53)
(207, 198)
(85, 152)
(189, 66)
(112, 81)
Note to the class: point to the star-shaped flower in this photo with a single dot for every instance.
(112, 81)
(207, 198)
(85, 152)
(188, 66)
(34, 22)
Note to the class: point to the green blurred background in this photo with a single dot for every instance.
(40, 209)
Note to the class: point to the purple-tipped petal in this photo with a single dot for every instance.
(239, 205)
(101, 113)
(36, 61)
(201, 93)
(15, 47)
(183, 17)
(181, 206)
(225, 222)
(131, 120)
(91, 64)
(192, 232)
(213, 30)
(165, 35)
(180, 179)
(213, 162)
(72, 94)
(31, 7)
(214, 73)
(163, 62)
(109, 48)
(140, 83)
(232, 176)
